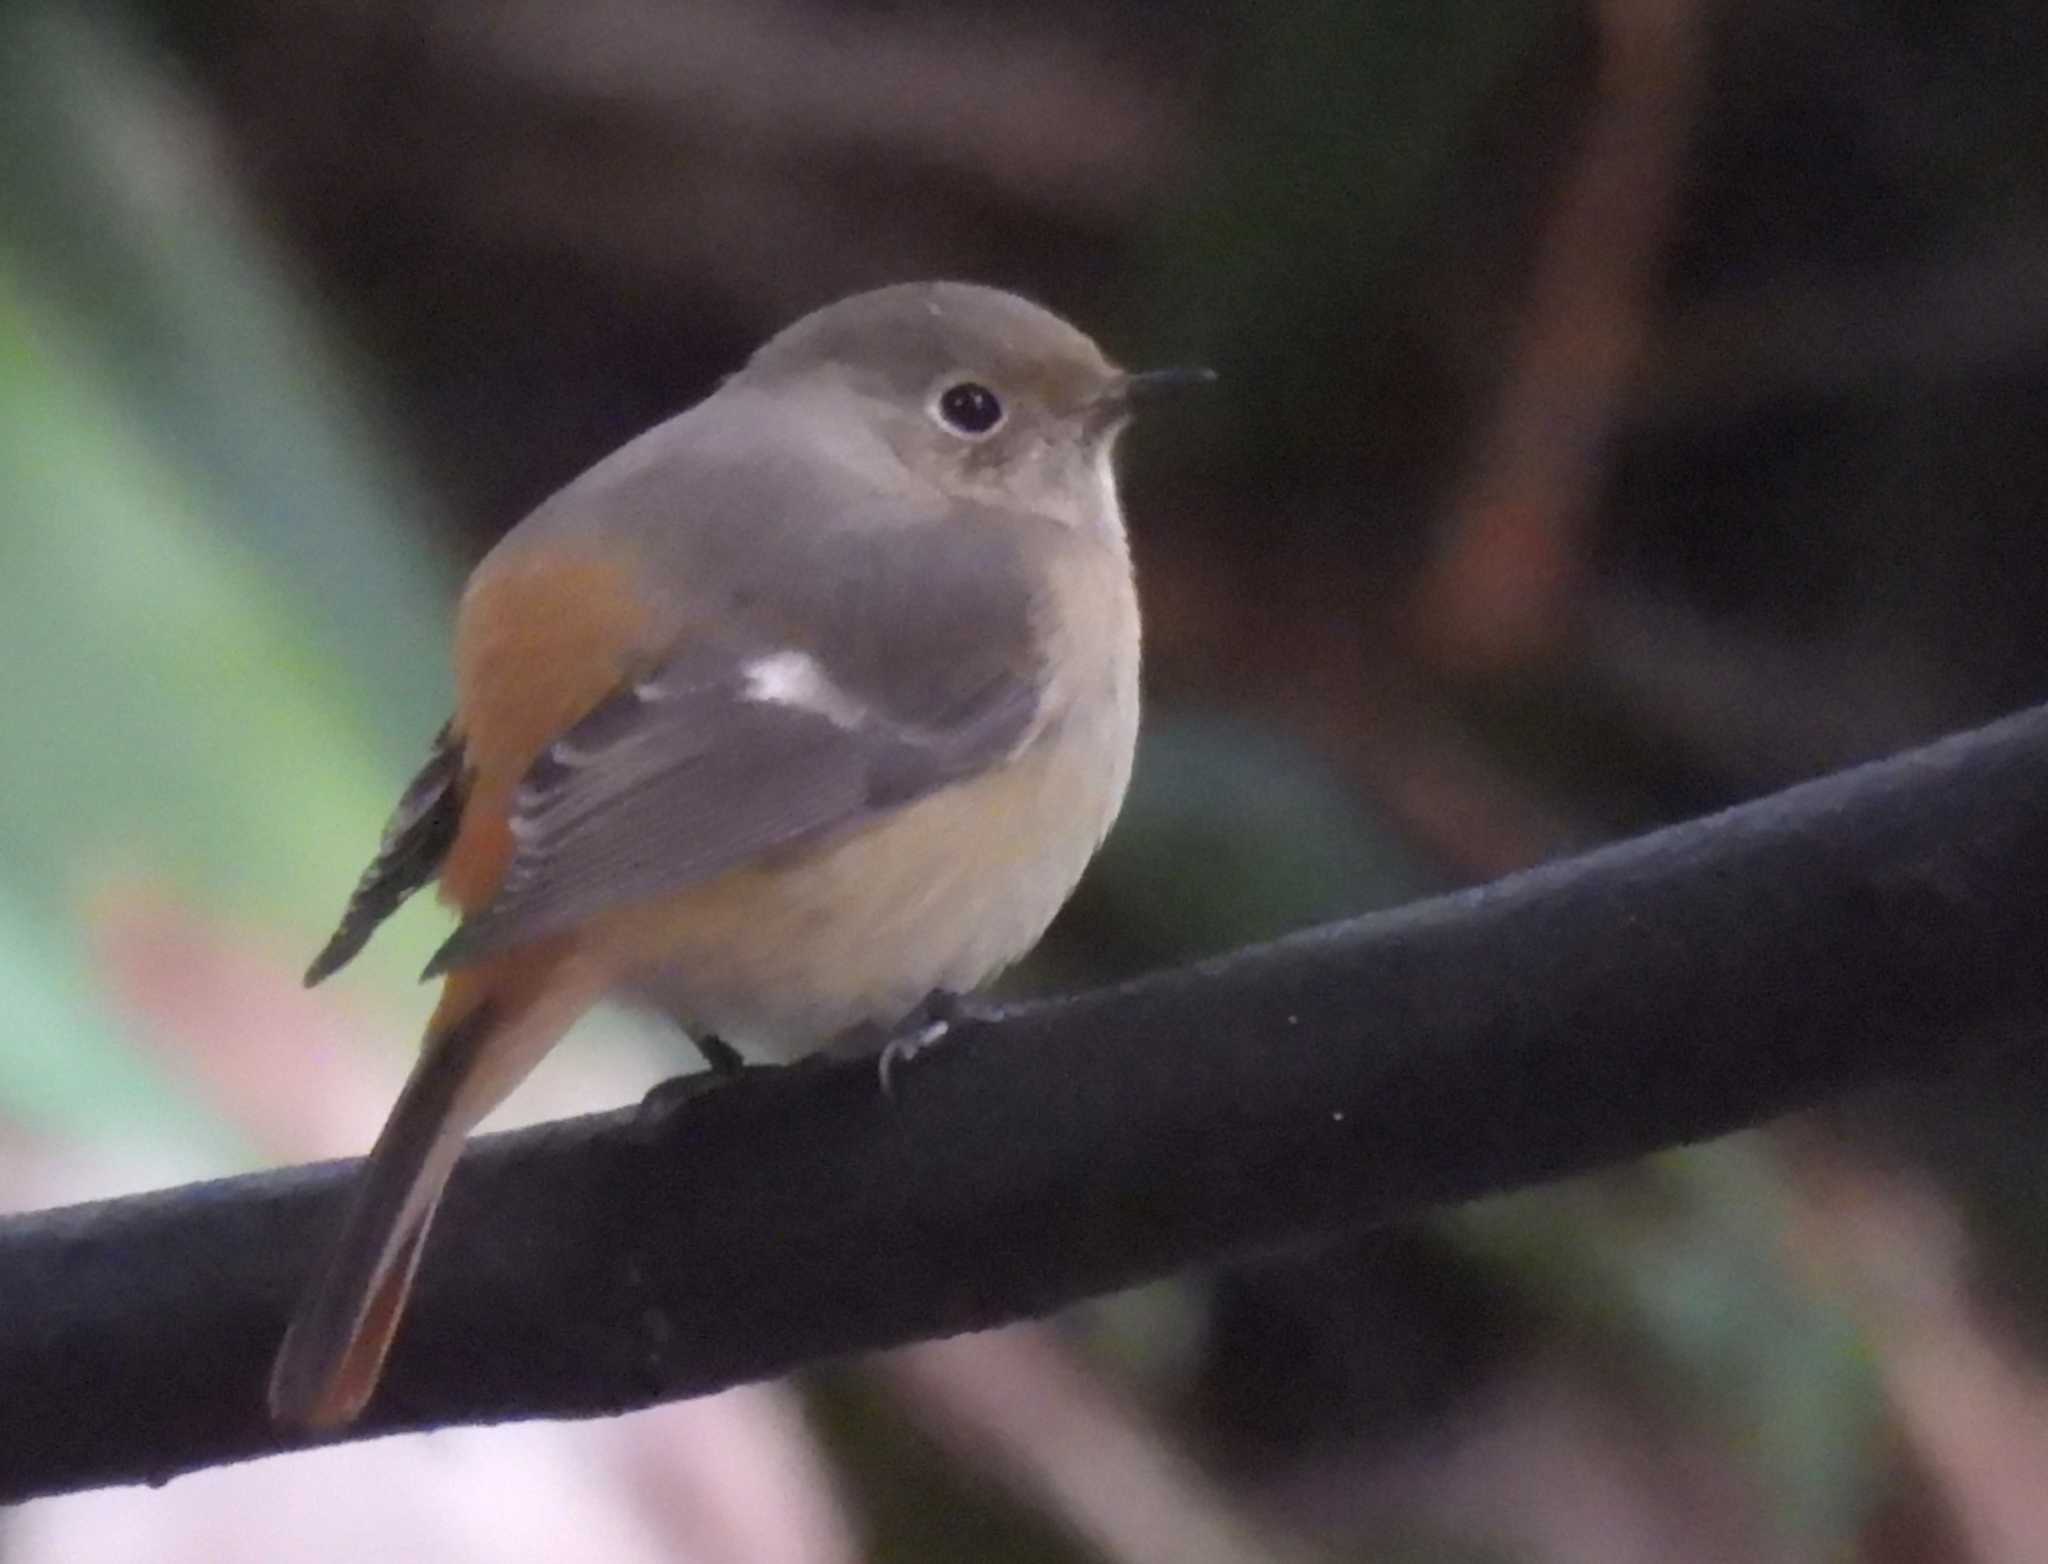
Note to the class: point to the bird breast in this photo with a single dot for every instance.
(780, 957)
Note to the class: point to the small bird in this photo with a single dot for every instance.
(807, 707)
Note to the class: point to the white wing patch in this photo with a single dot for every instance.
(794, 679)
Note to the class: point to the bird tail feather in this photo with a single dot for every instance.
(492, 1026)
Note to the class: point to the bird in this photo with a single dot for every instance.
(809, 706)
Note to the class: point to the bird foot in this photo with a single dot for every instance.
(721, 1056)
(903, 1047)
(920, 1031)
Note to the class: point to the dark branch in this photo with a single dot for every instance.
(1674, 987)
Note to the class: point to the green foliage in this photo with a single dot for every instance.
(221, 636)
(1674, 1273)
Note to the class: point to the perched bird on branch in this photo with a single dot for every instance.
(811, 703)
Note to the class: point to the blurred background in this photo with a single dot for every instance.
(1627, 407)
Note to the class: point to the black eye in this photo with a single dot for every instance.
(970, 407)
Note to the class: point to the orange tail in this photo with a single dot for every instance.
(492, 1026)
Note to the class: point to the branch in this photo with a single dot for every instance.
(1674, 987)
(1514, 541)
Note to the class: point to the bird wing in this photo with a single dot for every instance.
(915, 666)
(416, 840)
(708, 764)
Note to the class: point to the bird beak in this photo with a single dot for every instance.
(1125, 394)
(1149, 384)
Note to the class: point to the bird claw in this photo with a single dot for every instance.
(904, 1047)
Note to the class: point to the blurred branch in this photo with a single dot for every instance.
(1504, 578)
(1471, 813)
(1545, 1463)
(1886, 1245)
(1702, 978)
(1019, 1403)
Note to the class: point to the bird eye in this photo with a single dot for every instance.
(968, 407)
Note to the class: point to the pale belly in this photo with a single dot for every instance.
(941, 896)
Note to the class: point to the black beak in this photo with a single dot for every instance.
(1148, 385)
(1127, 393)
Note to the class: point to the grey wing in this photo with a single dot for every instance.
(416, 838)
(851, 668)
(714, 760)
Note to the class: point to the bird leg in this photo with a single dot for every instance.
(721, 1056)
(724, 1065)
